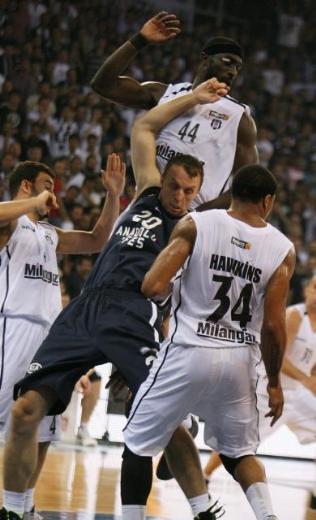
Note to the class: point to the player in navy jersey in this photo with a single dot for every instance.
(224, 138)
(111, 321)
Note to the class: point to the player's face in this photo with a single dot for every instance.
(42, 182)
(178, 190)
(224, 67)
(310, 292)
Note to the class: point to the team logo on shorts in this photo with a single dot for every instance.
(240, 243)
(34, 367)
(150, 354)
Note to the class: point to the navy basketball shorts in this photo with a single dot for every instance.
(99, 326)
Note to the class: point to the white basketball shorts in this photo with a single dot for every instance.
(216, 384)
(19, 340)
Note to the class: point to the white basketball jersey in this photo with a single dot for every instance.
(302, 353)
(208, 132)
(218, 297)
(29, 281)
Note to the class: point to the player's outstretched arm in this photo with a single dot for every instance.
(12, 210)
(85, 242)
(273, 332)
(157, 281)
(108, 81)
(146, 128)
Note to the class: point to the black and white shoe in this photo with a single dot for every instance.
(212, 513)
(9, 515)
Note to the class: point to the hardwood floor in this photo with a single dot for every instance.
(85, 481)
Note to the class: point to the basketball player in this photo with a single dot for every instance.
(111, 321)
(88, 404)
(221, 135)
(298, 381)
(29, 282)
(233, 285)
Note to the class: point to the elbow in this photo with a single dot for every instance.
(96, 87)
(152, 289)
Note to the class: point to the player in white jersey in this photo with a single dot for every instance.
(297, 378)
(221, 135)
(30, 298)
(209, 133)
(228, 308)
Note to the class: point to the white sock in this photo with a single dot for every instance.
(258, 496)
(29, 500)
(133, 512)
(200, 503)
(14, 501)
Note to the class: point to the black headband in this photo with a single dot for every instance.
(223, 46)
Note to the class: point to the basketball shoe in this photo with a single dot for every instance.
(212, 513)
(9, 515)
(85, 438)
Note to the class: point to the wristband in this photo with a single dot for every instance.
(138, 41)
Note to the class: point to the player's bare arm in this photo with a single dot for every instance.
(125, 90)
(10, 211)
(246, 150)
(157, 281)
(246, 153)
(146, 128)
(273, 332)
(85, 242)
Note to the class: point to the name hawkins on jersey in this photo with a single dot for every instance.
(241, 269)
(37, 272)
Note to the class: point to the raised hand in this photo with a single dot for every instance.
(44, 202)
(113, 177)
(210, 91)
(162, 27)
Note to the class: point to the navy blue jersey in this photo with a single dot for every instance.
(140, 234)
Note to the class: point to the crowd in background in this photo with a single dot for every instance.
(50, 50)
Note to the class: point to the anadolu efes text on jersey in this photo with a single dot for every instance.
(218, 298)
(141, 232)
(208, 132)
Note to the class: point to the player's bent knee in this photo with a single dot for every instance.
(25, 414)
(231, 464)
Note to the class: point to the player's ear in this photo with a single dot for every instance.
(26, 187)
(268, 203)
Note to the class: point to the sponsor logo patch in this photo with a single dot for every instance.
(240, 243)
(34, 367)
